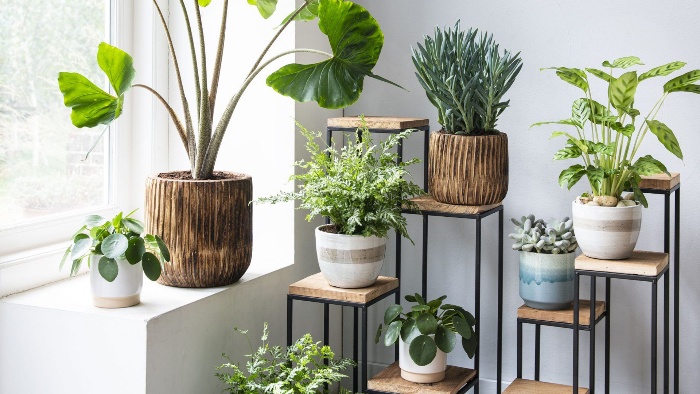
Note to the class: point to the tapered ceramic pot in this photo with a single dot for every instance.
(349, 261)
(431, 373)
(547, 280)
(608, 233)
(124, 291)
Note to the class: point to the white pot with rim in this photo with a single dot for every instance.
(349, 261)
(432, 373)
(124, 291)
(608, 233)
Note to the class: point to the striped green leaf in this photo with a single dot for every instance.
(600, 114)
(666, 137)
(582, 146)
(624, 130)
(647, 165)
(661, 70)
(623, 62)
(621, 92)
(568, 122)
(571, 175)
(595, 177)
(684, 80)
(601, 74)
(573, 76)
(570, 152)
(687, 88)
(580, 112)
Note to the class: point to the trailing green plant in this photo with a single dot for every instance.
(536, 235)
(300, 369)
(609, 148)
(465, 76)
(360, 188)
(355, 39)
(415, 327)
(122, 238)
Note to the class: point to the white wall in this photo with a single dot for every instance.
(549, 33)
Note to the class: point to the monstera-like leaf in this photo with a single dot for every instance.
(356, 41)
(90, 104)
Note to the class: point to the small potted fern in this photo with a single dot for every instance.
(465, 76)
(361, 189)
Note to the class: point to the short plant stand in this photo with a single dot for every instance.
(315, 288)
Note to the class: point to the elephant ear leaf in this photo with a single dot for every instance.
(90, 104)
(356, 41)
(265, 7)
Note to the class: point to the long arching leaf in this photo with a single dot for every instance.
(681, 81)
(623, 62)
(661, 70)
(666, 137)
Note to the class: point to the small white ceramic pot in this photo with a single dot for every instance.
(349, 261)
(608, 233)
(123, 292)
(431, 373)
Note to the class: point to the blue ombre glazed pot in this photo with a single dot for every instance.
(547, 280)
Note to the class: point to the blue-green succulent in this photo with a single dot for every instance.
(535, 235)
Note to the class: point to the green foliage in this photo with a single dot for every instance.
(554, 237)
(465, 76)
(361, 188)
(298, 370)
(120, 238)
(610, 146)
(415, 327)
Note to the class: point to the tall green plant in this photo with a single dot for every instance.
(609, 148)
(465, 76)
(355, 39)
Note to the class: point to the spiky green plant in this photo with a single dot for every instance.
(465, 76)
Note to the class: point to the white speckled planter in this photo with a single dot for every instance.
(431, 373)
(608, 233)
(123, 292)
(349, 261)
(547, 280)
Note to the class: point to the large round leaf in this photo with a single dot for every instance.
(108, 268)
(409, 330)
(134, 225)
(462, 327)
(81, 248)
(392, 313)
(422, 350)
(427, 324)
(445, 339)
(470, 345)
(151, 266)
(135, 250)
(114, 245)
(356, 41)
(392, 333)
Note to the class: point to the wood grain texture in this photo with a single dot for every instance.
(317, 286)
(430, 205)
(523, 386)
(660, 181)
(378, 122)
(468, 170)
(389, 380)
(207, 225)
(565, 315)
(640, 263)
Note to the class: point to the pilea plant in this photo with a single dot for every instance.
(465, 76)
(355, 39)
(414, 327)
(609, 149)
(536, 235)
(119, 238)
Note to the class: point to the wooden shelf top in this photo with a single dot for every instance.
(389, 380)
(378, 122)
(640, 263)
(523, 386)
(428, 204)
(660, 181)
(565, 316)
(317, 286)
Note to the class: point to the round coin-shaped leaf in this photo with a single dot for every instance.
(422, 350)
(135, 250)
(445, 339)
(462, 327)
(151, 266)
(163, 248)
(114, 245)
(427, 324)
(392, 313)
(392, 333)
(409, 330)
(108, 268)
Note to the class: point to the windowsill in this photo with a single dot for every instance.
(73, 295)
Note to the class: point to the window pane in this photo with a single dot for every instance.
(43, 170)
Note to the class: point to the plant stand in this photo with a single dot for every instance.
(315, 288)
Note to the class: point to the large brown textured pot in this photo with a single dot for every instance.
(468, 169)
(207, 225)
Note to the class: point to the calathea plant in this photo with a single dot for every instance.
(608, 135)
(120, 238)
(465, 76)
(355, 39)
(536, 235)
(429, 326)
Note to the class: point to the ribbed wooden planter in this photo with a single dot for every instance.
(468, 170)
(207, 225)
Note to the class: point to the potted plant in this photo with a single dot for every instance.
(428, 331)
(119, 253)
(361, 189)
(608, 226)
(211, 241)
(465, 76)
(546, 261)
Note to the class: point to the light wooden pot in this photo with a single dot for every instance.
(349, 261)
(468, 170)
(608, 233)
(207, 225)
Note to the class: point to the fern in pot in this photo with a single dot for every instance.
(606, 137)
(465, 76)
(361, 190)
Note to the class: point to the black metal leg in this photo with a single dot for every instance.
(666, 332)
(499, 340)
(289, 320)
(607, 335)
(364, 349)
(576, 328)
(537, 352)
(676, 292)
(591, 326)
(477, 296)
(654, 339)
(397, 297)
(356, 378)
(519, 358)
(424, 288)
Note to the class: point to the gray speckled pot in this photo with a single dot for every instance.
(349, 261)
(547, 280)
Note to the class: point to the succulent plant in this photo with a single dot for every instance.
(535, 235)
(465, 76)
